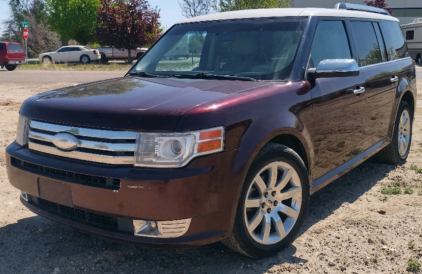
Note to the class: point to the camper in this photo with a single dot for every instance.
(413, 34)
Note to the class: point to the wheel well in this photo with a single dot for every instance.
(408, 98)
(294, 143)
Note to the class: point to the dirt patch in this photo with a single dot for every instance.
(351, 226)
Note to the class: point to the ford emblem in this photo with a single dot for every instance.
(65, 141)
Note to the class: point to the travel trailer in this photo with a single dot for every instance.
(413, 34)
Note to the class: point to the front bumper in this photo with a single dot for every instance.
(203, 191)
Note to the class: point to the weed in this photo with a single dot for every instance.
(375, 260)
(397, 183)
(341, 144)
(373, 118)
(411, 244)
(384, 199)
(413, 265)
(420, 193)
(391, 190)
(416, 168)
(408, 190)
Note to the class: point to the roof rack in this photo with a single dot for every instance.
(348, 6)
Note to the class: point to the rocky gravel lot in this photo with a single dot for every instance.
(344, 231)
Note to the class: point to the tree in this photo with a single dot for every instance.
(193, 8)
(73, 19)
(41, 38)
(379, 4)
(127, 24)
(229, 5)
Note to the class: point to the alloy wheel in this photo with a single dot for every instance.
(404, 133)
(85, 59)
(273, 203)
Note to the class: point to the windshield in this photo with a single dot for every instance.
(262, 49)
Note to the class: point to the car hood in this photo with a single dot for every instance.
(131, 103)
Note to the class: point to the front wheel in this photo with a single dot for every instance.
(397, 151)
(10, 67)
(85, 59)
(273, 203)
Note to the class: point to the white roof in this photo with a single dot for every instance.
(305, 12)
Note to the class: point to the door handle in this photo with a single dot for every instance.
(359, 90)
(395, 79)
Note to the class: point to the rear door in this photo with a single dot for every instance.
(15, 53)
(74, 54)
(381, 78)
(339, 113)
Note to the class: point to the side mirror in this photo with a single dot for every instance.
(331, 68)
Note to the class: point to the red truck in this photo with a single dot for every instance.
(11, 55)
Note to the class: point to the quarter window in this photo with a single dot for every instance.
(367, 46)
(394, 40)
(1, 47)
(410, 35)
(330, 42)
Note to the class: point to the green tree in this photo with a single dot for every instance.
(73, 19)
(229, 5)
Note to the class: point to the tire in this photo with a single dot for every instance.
(47, 60)
(10, 67)
(104, 59)
(268, 203)
(392, 154)
(85, 59)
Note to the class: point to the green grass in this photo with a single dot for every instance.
(78, 67)
(416, 168)
(391, 190)
(413, 265)
(411, 244)
(408, 190)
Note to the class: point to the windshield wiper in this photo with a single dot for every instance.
(204, 75)
(145, 74)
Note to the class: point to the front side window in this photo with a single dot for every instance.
(367, 46)
(330, 42)
(410, 35)
(262, 49)
(14, 48)
(394, 40)
(63, 50)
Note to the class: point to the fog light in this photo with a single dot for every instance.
(161, 229)
(24, 196)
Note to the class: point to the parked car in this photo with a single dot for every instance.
(11, 55)
(69, 54)
(227, 146)
(111, 53)
(413, 34)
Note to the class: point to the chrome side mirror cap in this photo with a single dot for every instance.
(330, 68)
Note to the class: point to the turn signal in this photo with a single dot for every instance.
(209, 145)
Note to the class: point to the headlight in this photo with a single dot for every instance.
(22, 131)
(176, 149)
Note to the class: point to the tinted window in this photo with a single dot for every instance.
(1, 47)
(367, 46)
(74, 49)
(63, 50)
(330, 42)
(14, 48)
(394, 40)
(380, 39)
(410, 35)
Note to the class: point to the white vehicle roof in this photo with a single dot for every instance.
(305, 12)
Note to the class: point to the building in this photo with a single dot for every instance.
(405, 10)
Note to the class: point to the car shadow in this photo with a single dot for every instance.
(37, 245)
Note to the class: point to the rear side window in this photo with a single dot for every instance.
(394, 40)
(367, 45)
(74, 49)
(330, 42)
(14, 48)
(410, 35)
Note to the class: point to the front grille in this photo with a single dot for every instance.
(72, 177)
(92, 145)
(83, 216)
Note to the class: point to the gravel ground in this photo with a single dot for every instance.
(344, 233)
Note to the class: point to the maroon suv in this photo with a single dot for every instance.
(229, 144)
(11, 55)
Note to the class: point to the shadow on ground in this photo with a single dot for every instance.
(36, 245)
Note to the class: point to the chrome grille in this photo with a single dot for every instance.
(94, 145)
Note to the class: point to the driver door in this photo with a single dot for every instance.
(61, 55)
(339, 110)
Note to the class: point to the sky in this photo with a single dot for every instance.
(170, 12)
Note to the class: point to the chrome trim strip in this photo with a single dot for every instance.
(87, 132)
(114, 160)
(346, 165)
(118, 147)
